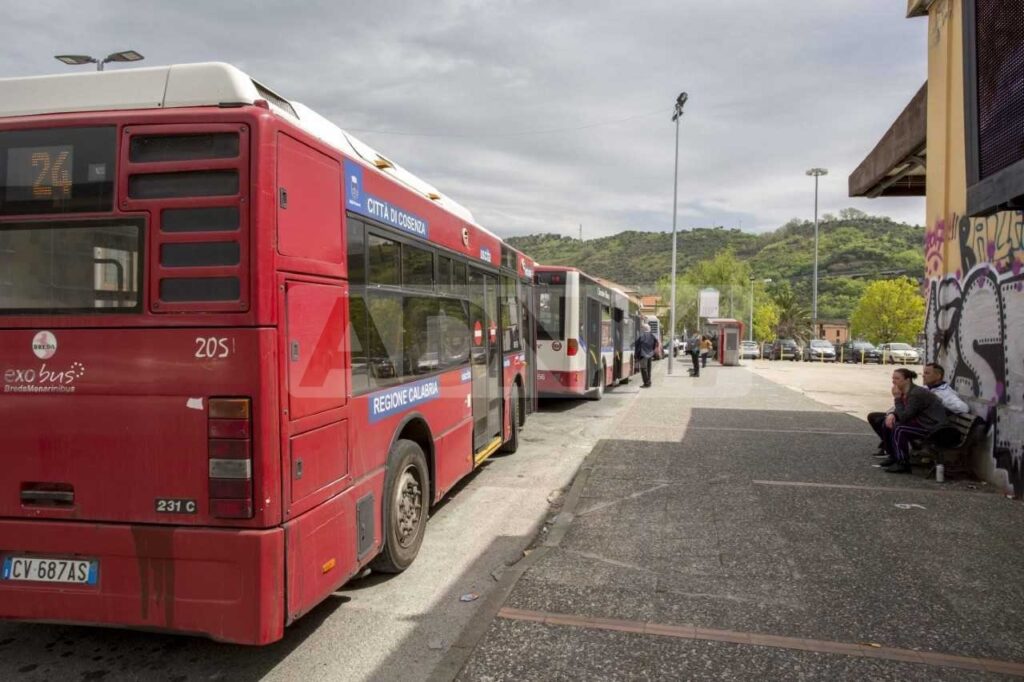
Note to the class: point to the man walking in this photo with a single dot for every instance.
(644, 348)
(694, 348)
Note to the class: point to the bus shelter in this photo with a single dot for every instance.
(729, 333)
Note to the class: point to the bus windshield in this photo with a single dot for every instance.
(551, 311)
(70, 267)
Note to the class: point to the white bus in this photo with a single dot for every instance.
(585, 334)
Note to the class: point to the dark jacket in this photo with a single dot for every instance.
(921, 406)
(645, 345)
(693, 345)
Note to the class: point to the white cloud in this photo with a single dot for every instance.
(477, 87)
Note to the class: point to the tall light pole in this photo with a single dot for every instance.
(676, 115)
(817, 173)
(76, 59)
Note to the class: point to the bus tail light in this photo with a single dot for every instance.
(572, 347)
(230, 458)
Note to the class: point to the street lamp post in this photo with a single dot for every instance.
(817, 173)
(76, 59)
(676, 115)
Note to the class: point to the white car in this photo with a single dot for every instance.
(750, 350)
(899, 354)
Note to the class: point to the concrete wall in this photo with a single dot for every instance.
(974, 268)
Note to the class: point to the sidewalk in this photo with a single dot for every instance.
(735, 529)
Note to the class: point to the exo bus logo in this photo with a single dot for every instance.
(44, 345)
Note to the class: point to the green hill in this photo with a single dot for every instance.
(854, 249)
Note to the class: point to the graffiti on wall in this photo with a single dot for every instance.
(975, 322)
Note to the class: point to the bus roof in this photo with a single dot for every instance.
(193, 85)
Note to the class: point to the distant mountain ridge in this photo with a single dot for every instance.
(853, 250)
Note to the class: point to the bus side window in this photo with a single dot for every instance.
(384, 337)
(385, 260)
(454, 333)
(420, 348)
(509, 315)
(356, 252)
(357, 321)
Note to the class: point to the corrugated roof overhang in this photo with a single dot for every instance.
(896, 166)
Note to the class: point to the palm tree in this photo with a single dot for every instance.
(794, 318)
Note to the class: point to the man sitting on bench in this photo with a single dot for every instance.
(934, 377)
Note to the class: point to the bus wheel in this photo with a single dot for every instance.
(406, 500)
(599, 384)
(512, 444)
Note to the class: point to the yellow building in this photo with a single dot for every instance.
(974, 279)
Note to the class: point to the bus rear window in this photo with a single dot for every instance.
(66, 267)
(550, 312)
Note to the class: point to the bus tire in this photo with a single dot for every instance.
(512, 444)
(599, 384)
(406, 503)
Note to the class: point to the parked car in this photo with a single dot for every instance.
(750, 350)
(899, 353)
(784, 349)
(820, 350)
(860, 351)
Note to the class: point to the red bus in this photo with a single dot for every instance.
(242, 353)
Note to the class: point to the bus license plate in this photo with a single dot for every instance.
(43, 570)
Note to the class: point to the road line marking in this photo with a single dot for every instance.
(842, 486)
(757, 639)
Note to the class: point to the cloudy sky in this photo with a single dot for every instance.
(541, 115)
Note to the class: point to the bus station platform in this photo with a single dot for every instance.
(735, 529)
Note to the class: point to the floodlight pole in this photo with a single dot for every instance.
(817, 173)
(78, 59)
(677, 114)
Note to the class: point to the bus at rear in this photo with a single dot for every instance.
(237, 366)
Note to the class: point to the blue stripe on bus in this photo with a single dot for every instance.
(395, 400)
(357, 199)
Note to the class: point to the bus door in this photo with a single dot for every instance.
(593, 330)
(528, 310)
(485, 358)
(617, 322)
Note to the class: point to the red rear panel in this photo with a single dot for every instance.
(119, 419)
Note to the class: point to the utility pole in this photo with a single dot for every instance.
(581, 231)
(817, 173)
(677, 114)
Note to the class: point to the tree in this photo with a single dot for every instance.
(794, 318)
(889, 310)
(766, 320)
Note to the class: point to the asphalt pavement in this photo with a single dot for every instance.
(731, 528)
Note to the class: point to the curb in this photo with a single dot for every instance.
(458, 655)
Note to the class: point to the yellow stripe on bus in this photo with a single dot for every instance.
(487, 451)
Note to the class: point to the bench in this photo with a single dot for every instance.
(951, 445)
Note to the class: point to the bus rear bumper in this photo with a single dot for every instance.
(224, 584)
(561, 384)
